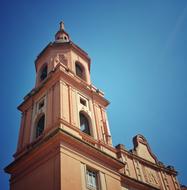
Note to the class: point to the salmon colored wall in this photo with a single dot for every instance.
(73, 106)
(50, 108)
(27, 127)
(143, 151)
(73, 165)
(43, 177)
(70, 173)
(131, 168)
(97, 118)
(64, 101)
(56, 103)
(112, 183)
(24, 137)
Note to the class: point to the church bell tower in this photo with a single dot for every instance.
(64, 140)
(63, 97)
(64, 127)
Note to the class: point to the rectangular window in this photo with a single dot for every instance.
(41, 104)
(92, 179)
(83, 102)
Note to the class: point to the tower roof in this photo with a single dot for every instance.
(69, 45)
(62, 36)
(63, 40)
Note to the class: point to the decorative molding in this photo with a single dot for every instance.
(60, 58)
(142, 149)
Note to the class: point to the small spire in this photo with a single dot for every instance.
(62, 25)
(62, 36)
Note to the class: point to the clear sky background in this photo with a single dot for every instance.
(139, 59)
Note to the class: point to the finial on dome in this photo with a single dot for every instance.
(62, 36)
(62, 25)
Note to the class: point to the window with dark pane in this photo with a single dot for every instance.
(41, 104)
(84, 124)
(43, 73)
(40, 126)
(83, 102)
(79, 71)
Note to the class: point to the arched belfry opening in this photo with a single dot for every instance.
(40, 126)
(80, 70)
(85, 126)
(43, 72)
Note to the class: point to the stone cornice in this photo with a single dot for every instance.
(67, 45)
(61, 72)
(136, 183)
(53, 139)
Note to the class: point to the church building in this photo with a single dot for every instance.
(64, 139)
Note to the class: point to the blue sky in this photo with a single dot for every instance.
(139, 59)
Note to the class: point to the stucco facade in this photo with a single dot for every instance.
(58, 152)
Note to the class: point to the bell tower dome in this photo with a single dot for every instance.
(62, 36)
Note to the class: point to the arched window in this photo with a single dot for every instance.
(40, 126)
(43, 73)
(84, 124)
(79, 70)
